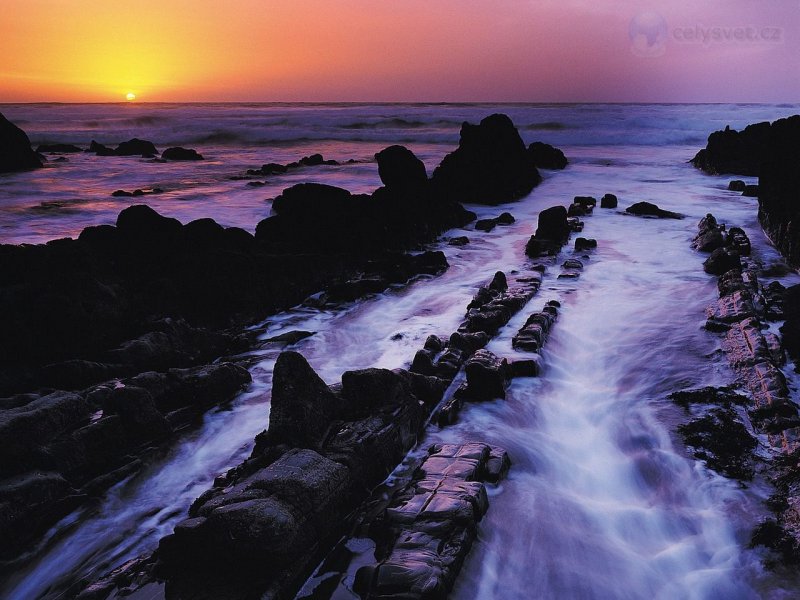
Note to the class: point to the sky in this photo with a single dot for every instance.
(382, 51)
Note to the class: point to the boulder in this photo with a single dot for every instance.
(136, 147)
(648, 209)
(15, 149)
(178, 153)
(737, 185)
(552, 232)
(546, 156)
(582, 244)
(490, 166)
(722, 260)
(399, 169)
(487, 376)
(608, 201)
(751, 191)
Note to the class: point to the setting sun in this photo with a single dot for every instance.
(130, 96)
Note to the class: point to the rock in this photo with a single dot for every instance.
(468, 342)
(790, 330)
(140, 222)
(710, 235)
(486, 376)
(459, 241)
(100, 149)
(57, 149)
(15, 149)
(572, 263)
(778, 209)
(290, 337)
(499, 282)
(523, 368)
(552, 232)
(302, 407)
(399, 169)
(587, 202)
(737, 239)
(490, 166)
(722, 260)
(546, 156)
(721, 440)
(178, 153)
(750, 191)
(608, 201)
(737, 185)
(585, 244)
(576, 210)
(135, 147)
(489, 224)
(647, 209)
(745, 152)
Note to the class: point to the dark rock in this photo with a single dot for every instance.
(15, 149)
(302, 407)
(490, 166)
(790, 330)
(434, 343)
(722, 260)
(290, 337)
(121, 194)
(140, 222)
(738, 239)
(552, 232)
(57, 148)
(523, 368)
(489, 224)
(737, 185)
(272, 169)
(751, 191)
(778, 209)
(647, 209)
(576, 210)
(468, 342)
(499, 282)
(459, 241)
(585, 244)
(608, 201)
(100, 149)
(400, 169)
(572, 263)
(178, 153)
(487, 376)
(546, 156)
(722, 441)
(135, 147)
(587, 202)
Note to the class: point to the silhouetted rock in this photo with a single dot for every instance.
(15, 149)
(57, 148)
(136, 147)
(648, 209)
(399, 169)
(488, 224)
(585, 244)
(490, 166)
(722, 260)
(737, 185)
(552, 232)
(546, 156)
(750, 191)
(178, 153)
(608, 201)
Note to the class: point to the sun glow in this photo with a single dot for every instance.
(130, 96)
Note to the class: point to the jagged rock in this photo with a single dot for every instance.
(721, 440)
(489, 224)
(582, 244)
(551, 233)
(546, 156)
(178, 153)
(647, 209)
(15, 149)
(490, 166)
(738, 239)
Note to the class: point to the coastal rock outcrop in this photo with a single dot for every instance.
(552, 232)
(16, 153)
(490, 166)
(178, 153)
(648, 209)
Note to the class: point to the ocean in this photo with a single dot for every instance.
(603, 500)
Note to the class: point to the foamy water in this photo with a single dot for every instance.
(602, 501)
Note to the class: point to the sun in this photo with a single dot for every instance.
(130, 96)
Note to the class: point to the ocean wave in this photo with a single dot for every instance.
(398, 123)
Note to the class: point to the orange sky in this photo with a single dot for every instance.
(349, 50)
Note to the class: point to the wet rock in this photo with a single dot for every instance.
(721, 440)
(134, 147)
(737, 239)
(778, 210)
(423, 362)
(487, 376)
(490, 166)
(710, 235)
(750, 191)
(582, 244)
(533, 334)
(736, 306)
(587, 202)
(290, 337)
(648, 209)
(459, 241)
(736, 185)
(489, 224)
(302, 407)
(499, 282)
(400, 169)
(15, 149)
(572, 263)
(272, 169)
(790, 330)
(721, 261)
(57, 149)
(608, 201)
(576, 210)
(178, 153)
(551, 233)
(546, 156)
(468, 342)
